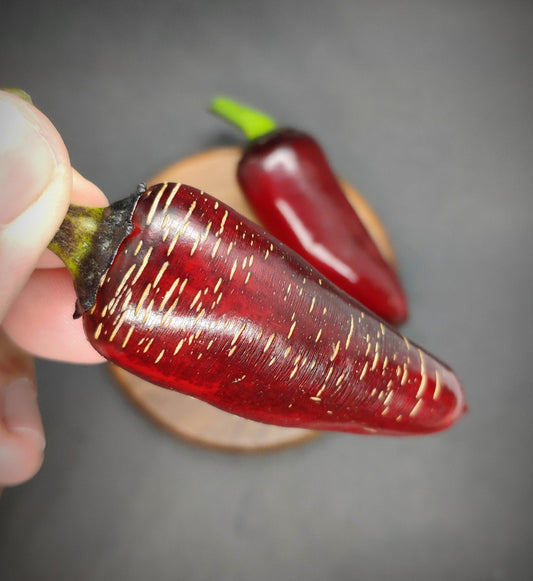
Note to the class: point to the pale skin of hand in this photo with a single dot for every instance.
(40, 318)
(37, 183)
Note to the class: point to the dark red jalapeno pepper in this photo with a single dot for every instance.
(285, 175)
(194, 297)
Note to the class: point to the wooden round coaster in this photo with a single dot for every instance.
(214, 172)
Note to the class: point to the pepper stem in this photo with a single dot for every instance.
(72, 242)
(19, 93)
(252, 122)
(87, 242)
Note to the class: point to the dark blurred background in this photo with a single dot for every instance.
(426, 107)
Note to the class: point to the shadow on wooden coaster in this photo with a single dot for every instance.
(214, 172)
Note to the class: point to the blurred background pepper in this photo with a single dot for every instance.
(293, 189)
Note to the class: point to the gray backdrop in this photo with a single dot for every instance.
(426, 106)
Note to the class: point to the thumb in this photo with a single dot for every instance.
(35, 186)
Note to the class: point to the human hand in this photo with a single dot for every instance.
(37, 298)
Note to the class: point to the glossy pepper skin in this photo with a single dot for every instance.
(289, 182)
(201, 300)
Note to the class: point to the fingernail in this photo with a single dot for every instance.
(21, 410)
(27, 162)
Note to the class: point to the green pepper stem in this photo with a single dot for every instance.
(252, 122)
(72, 242)
(87, 242)
(19, 93)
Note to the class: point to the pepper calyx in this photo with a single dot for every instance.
(87, 242)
